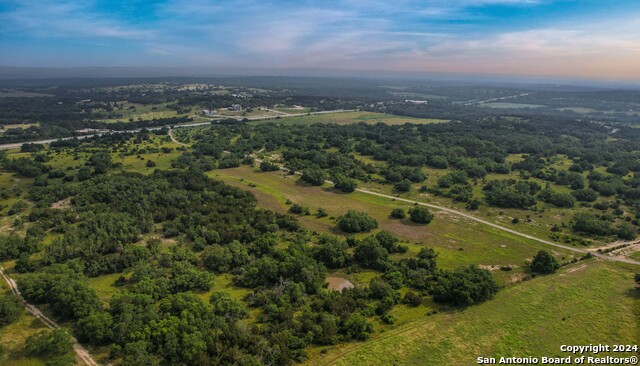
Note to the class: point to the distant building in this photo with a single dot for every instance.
(416, 101)
(235, 108)
(209, 113)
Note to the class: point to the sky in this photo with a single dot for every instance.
(590, 39)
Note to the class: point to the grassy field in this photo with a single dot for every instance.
(354, 117)
(142, 112)
(585, 303)
(538, 222)
(458, 241)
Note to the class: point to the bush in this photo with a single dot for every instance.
(357, 327)
(369, 253)
(267, 166)
(315, 177)
(49, 343)
(296, 209)
(356, 222)
(332, 252)
(420, 215)
(151, 163)
(10, 309)
(398, 213)
(403, 186)
(464, 286)
(591, 224)
(96, 329)
(344, 184)
(412, 298)
(544, 262)
(626, 232)
(585, 195)
(388, 319)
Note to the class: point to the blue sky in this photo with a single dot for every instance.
(569, 38)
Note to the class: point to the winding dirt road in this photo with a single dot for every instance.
(482, 221)
(80, 351)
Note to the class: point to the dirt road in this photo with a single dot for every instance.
(82, 353)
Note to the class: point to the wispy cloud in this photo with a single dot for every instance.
(481, 36)
(73, 19)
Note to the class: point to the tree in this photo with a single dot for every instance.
(224, 305)
(356, 222)
(321, 213)
(49, 343)
(23, 264)
(357, 327)
(390, 242)
(344, 184)
(96, 329)
(398, 213)
(545, 263)
(369, 253)
(585, 195)
(626, 232)
(151, 163)
(420, 215)
(10, 309)
(267, 166)
(84, 173)
(332, 252)
(464, 286)
(412, 298)
(403, 186)
(314, 176)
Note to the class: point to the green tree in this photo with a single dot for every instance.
(543, 262)
(398, 213)
(10, 309)
(357, 327)
(267, 166)
(55, 342)
(332, 252)
(96, 329)
(403, 186)
(420, 215)
(344, 184)
(314, 176)
(356, 222)
(369, 253)
(464, 286)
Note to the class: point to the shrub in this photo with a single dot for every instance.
(356, 222)
(464, 286)
(544, 262)
(49, 343)
(344, 184)
(313, 176)
(420, 215)
(412, 298)
(398, 213)
(267, 166)
(403, 186)
(10, 309)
